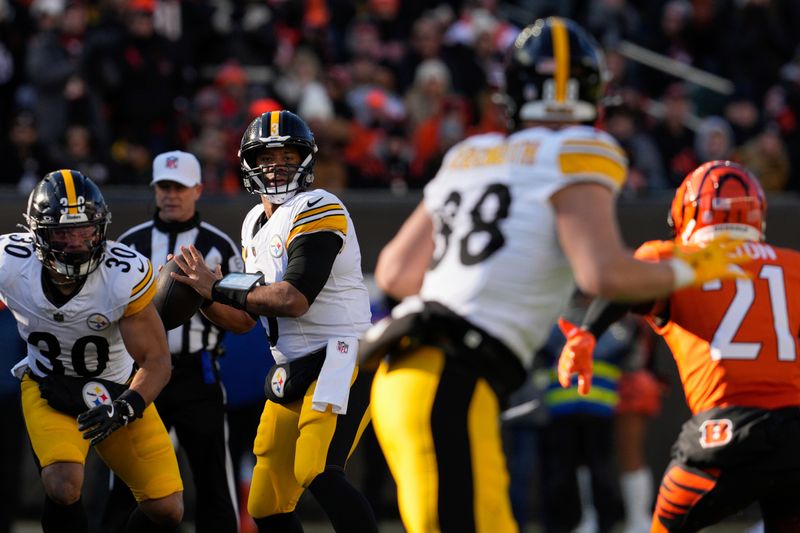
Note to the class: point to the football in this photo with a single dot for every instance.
(175, 302)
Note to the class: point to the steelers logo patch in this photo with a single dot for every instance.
(278, 382)
(276, 246)
(98, 322)
(95, 393)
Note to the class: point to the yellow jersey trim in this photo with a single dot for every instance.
(593, 165)
(573, 144)
(141, 302)
(142, 293)
(316, 211)
(334, 222)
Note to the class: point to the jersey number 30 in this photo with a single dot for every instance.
(482, 229)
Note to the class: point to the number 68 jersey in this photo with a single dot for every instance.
(82, 336)
(498, 262)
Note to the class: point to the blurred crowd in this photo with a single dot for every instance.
(386, 85)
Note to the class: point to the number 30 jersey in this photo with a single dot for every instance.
(82, 336)
(497, 261)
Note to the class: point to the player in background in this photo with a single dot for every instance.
(194, 400)
(485, 264)
(735, 343)
(303, 281)
(83, 305)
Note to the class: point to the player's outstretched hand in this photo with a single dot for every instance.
(576, 356)
(718, 259)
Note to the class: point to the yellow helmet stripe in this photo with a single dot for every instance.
(69, 186)
(274, 123)
(558, 31)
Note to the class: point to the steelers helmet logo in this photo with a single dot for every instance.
(276, 246)
(278, 382)
(97, 322)
(95, 393)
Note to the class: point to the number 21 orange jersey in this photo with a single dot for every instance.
(736, 342)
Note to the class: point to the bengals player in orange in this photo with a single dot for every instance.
(736, 348)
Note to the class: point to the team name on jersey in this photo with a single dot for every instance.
(519, 153)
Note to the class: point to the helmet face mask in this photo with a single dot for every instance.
(275, 130)
(68, 218)
(719, 198)
(555, 73)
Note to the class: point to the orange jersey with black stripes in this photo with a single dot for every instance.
(342, 306)
(736, 342)
(80, 337)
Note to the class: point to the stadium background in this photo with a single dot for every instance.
(387, 86)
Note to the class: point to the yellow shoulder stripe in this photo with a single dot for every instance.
(147, 277)
(337, 222)
(316, 211)
(141, 301)
(593, 164)
(594, 143)
(142, 292)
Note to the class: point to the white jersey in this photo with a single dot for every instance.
(498, 262)
(342, 307)
(82, 336)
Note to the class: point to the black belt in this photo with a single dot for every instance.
(471, 346)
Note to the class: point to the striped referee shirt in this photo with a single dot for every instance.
(156, 239)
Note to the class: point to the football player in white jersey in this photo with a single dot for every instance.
(83, 306)
(304, 281)
(485, 263)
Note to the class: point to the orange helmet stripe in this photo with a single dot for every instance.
(69, 186)
(558, 31)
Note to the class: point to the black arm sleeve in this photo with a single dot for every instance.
(602, 313)
(310, 260)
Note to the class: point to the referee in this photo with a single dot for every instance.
(193, 402)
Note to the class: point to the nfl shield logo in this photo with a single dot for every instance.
(342, 346)
(172, 162)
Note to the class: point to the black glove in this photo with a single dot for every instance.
(99, 422)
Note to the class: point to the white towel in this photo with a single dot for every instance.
(333, 384)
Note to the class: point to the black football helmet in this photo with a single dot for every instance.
(63, 202)
(555, 72)
(276, 129)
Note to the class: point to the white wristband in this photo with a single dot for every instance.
(683, 273)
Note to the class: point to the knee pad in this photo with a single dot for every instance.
(272, 490)
(263, 498)
(310, 457)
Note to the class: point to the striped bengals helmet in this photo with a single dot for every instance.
(719, 197)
